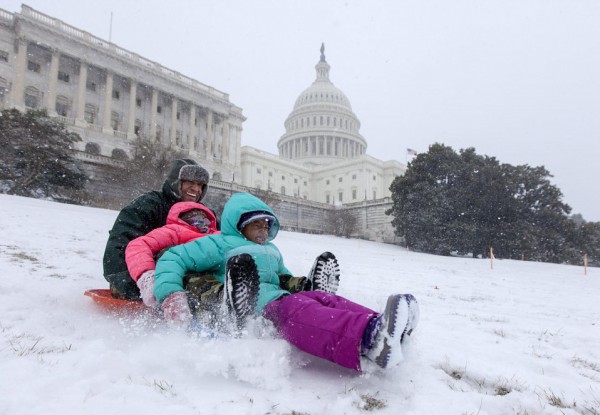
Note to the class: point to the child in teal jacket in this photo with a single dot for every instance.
(318, 322)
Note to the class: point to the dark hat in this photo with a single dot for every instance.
(249, 217)
(193, 173)
(173, 174)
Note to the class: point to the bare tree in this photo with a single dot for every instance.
(340, 222)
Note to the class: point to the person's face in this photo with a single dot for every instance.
(257, 231)
(196, 218)
(190, 191)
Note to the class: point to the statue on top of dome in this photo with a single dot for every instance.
(323, 52)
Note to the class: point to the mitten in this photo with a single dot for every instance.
(146, 285)
(176, 308)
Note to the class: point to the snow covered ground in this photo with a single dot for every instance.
(523, 338)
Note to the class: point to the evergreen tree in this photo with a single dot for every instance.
(466, 203)
(37, 158)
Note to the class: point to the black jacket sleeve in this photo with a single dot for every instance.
(147, 212)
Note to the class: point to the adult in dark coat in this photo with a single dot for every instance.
(187, 182)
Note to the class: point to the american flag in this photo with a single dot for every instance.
(411, 152)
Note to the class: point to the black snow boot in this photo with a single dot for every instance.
(241, 288)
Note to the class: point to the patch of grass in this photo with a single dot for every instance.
(25, 345)
(500, 333)
(371, 403)
(557, 401)
(465, 382)
(57, 276)
(22, 256)
(579, 362)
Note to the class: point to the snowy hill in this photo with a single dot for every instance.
(522, 338)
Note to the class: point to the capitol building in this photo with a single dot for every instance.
(112, 97)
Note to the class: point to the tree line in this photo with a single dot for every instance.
(462, 203)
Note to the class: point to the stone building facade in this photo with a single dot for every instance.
(111, 96)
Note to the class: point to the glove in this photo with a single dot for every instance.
(146, 285)
(176, 308)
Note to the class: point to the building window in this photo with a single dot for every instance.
(116, 94)
(283, 190)
(63, 76)
(34, 66)
(137, 128)
(159, 109)
(295, 180)
(138, 102)
(354, 177)
(327, 181)
(62, 106)
(158, 133)
(3, 56)
(91, 86)
(90, 114)
(31, 97)
(258, 170)
(374, 177)
(374, 194)
(340, 199)
(270, 174)
(353, 194)
(178, 115)
(304, 183)
(282, 177)
(341, 179)
(114, 120)
(327, 199)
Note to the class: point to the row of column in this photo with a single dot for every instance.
(297, 147)
(18, 90)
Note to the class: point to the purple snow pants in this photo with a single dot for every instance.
(322, 324)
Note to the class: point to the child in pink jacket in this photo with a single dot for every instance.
(186, 221)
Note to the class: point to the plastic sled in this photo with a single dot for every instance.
(105, 300)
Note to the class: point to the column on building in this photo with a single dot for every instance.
(18, 87)
(209, 134)
(107, 103)
(52, 81)
(225, 142)
(192, 129)
(131, 115)
(81, 90)
(173, 136)
(153, 114)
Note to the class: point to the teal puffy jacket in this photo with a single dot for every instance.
(212, 252)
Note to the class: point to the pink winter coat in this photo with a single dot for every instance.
(140, 253)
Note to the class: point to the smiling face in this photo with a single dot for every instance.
(190, 191)
(257, 231)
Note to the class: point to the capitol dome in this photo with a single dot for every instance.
(322, 126)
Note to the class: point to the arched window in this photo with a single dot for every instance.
(282, 190)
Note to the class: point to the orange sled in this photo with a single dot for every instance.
(105, 300)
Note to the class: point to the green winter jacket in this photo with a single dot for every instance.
(212, 252)
(145, 213)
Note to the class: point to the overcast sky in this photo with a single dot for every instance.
(516, 79)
